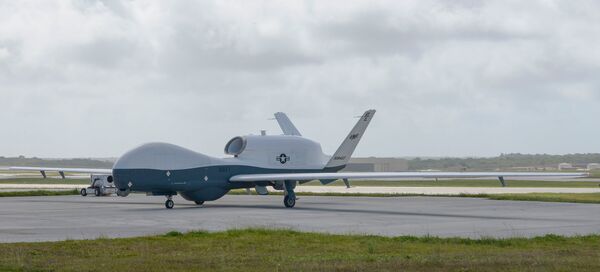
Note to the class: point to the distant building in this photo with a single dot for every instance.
(565, 166)
(373, 164)
(524, 168)
(593, 166)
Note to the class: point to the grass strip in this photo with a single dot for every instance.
(39, 193)
(284, 250)
(551, 197)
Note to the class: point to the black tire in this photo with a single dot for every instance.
(97, 192)
(169, 204)
(122, 193)
(289, 202)
(199, 202)
(83, 192)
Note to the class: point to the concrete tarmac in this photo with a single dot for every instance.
(75, 217)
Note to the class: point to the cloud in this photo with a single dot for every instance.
(94, 78)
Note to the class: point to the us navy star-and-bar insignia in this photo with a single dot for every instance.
(282, 158)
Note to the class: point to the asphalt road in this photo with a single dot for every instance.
(76, 217)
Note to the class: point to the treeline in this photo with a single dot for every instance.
(74, 163)
(503, 161)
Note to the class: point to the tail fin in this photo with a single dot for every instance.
(344, 152)
(286, 124)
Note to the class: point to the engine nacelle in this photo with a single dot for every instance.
(277, 151)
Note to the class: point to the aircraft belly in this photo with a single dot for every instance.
(148, 180)
(201, 183)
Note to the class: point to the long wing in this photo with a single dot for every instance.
(392, 175)
(63, 170)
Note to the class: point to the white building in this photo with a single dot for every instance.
(593, 166)
(565, 166)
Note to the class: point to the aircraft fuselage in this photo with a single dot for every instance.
(166, 169)
(195, 184)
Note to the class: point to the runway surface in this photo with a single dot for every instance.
(76, 217)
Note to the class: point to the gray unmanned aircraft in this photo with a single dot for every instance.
(256, 161)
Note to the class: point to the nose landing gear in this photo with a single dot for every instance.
(169, 203)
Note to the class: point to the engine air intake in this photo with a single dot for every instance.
(235, 146)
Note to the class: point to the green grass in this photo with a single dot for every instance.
(550, 197)
(465, 183)
(44, 181)
(39, 193)
(285, 250)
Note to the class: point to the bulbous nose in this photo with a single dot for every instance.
(154, 165)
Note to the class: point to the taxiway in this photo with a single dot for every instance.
(75, 217)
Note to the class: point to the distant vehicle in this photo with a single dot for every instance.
(100, 185)
(256, 161)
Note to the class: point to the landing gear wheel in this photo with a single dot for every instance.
(97, 192)
(289, 202)
(83, 192)
(169, 204)
(199, 202)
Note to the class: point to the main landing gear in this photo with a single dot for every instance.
(289, 200)
(169, 203)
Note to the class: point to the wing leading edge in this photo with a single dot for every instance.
(392, 175)
(70, 170)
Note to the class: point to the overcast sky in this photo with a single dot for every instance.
(448, 78)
